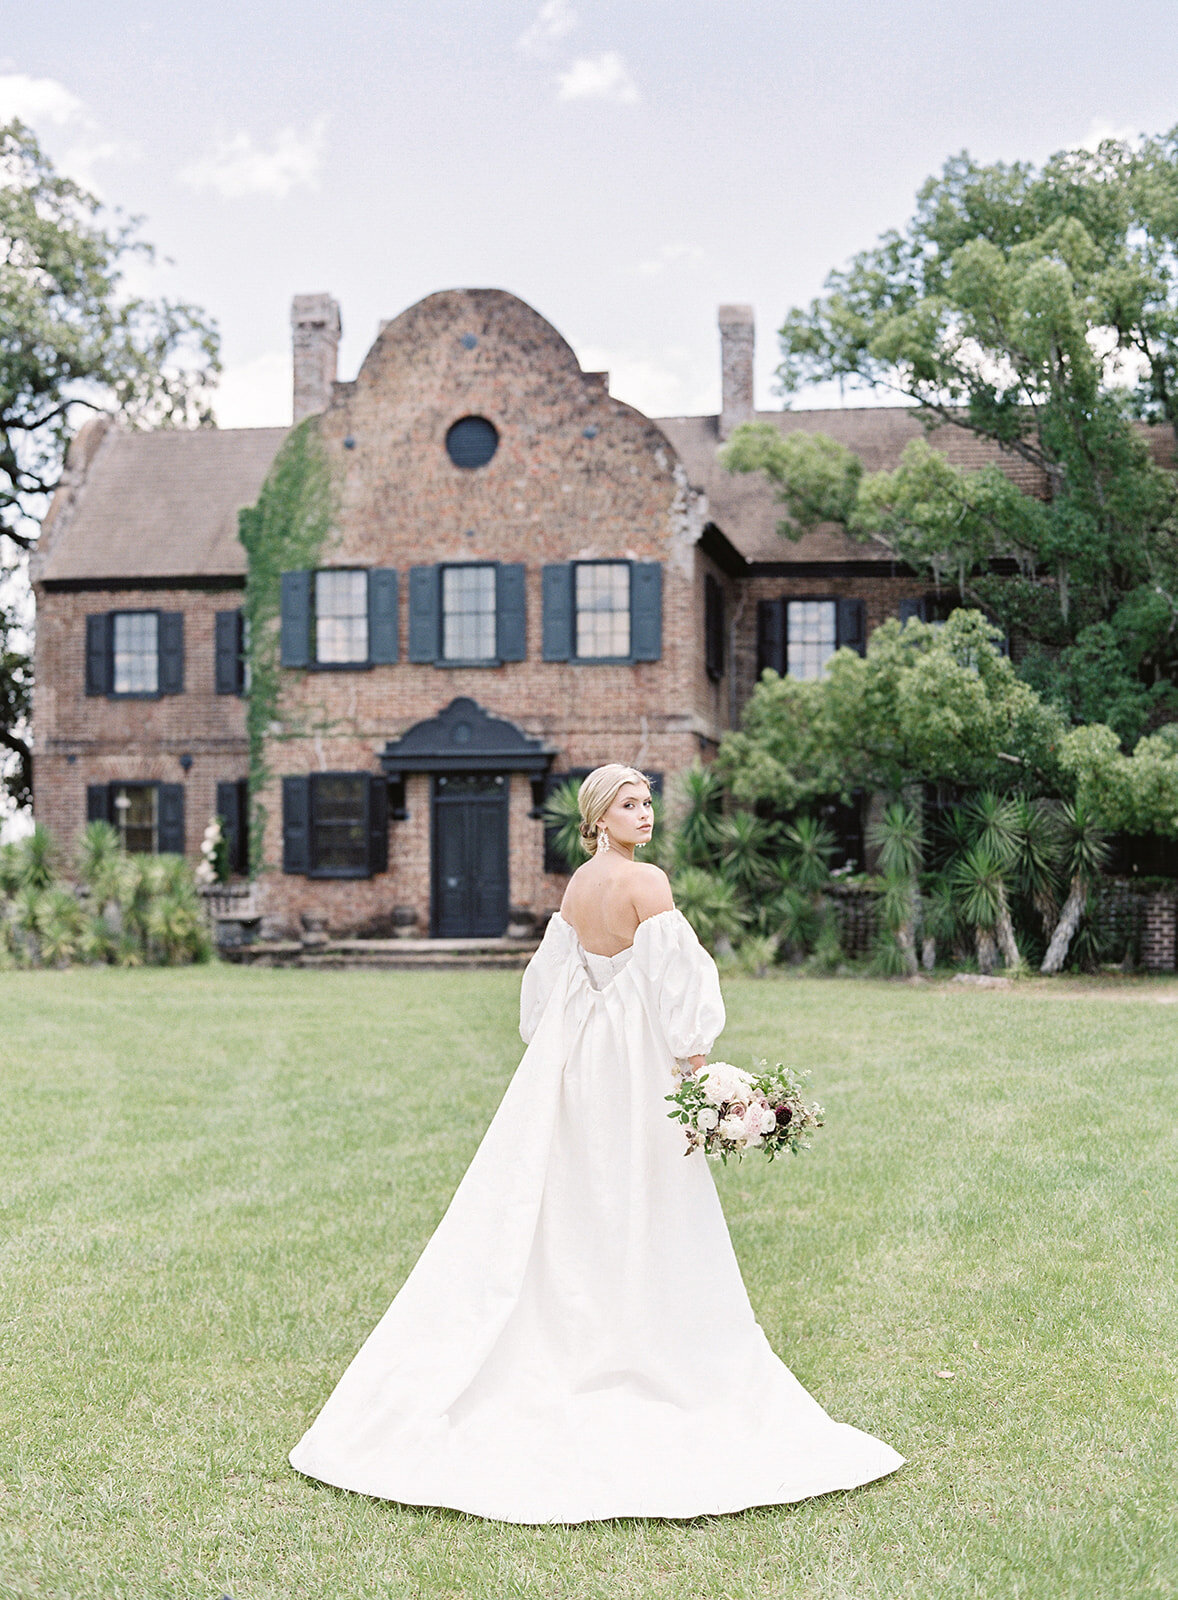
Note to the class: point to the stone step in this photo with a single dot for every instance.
(427, 954)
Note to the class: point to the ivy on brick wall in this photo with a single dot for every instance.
(285, 531)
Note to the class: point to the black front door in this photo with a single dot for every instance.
(470, 855)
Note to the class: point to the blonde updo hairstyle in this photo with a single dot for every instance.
(597, 793)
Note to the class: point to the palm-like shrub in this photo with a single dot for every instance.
(697, 832)
(38, 856)
(993, 820)
(808, 845)
(1086, 854)
(978, 875)
(562, 815)
(709, 903)
(1038, 856)
(898, 839)
(140, 907)
(744, 846)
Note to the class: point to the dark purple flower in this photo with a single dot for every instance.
(784, 1115)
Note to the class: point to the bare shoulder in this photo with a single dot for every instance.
(651, 890)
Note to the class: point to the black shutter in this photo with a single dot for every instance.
(171, 819)
(852, 625)
(913, 608)
(771, 636)
(557, 606)
(713, 627)
(378, 824)
(646, 610)
(295, 647)
(171, 646)
(510, 611)
(231, 808)
(296, 824)
(227, 652)
(382, 616)
(99, 653)
(98, 803)
(424, 621)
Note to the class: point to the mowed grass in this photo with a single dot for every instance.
(214, 1180)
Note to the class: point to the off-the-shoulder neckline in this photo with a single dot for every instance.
(672, 912)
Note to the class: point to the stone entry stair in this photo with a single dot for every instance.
(511, 955)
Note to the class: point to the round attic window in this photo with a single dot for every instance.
(471, 442)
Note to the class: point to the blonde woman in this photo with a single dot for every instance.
(575, 1341)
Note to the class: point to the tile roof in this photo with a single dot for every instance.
(157, 505)
(744, 506)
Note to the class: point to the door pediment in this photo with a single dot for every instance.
(465, 737)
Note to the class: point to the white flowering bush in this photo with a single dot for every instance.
(726, 1110)
(213, 866)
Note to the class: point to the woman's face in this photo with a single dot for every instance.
(630, 818)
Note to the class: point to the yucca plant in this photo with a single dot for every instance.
(898, 839)
(756, 953)
(59, 922)
(562, 815)
(10, 869)
(788, 915)
(1038, 856)
(1086, 853)
(744, 847)
(36, 856)
(807, 846)
(939, 918)
(709, 903)
(978, 877)
(697, 831)
(993, 821)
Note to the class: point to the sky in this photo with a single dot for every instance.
(623, 167)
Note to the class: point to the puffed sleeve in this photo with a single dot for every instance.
(684, 983)
(541, 974)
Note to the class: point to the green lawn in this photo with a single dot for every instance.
(213, 1181)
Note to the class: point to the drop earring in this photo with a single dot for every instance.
(602, 841)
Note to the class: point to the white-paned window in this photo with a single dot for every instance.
(341, 617)
(136, 814)
(602, 602)
(812, 635)
(468, 613)
(136, 652)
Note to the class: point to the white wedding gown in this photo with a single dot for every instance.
(575, 1341)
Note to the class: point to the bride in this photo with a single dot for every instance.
(575, 1341)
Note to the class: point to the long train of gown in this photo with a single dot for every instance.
(575, 1341)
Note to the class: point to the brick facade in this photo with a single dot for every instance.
(148, 522)
(86, 739)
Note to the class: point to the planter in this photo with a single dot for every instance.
(314, 935)
(404, 922)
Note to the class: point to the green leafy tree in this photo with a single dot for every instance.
(924, 704)
(75, 342)
(1035, 309)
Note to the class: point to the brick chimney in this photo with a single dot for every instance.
(737, 333)
(315, 331)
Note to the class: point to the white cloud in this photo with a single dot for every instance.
(238, 167)
(1100, 129)
(255, 393)
(42, 102)
(603, 77)
(670, 382)
(553, 21)
(671, 255)
(37, 100)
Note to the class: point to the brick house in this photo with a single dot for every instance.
(525, 577)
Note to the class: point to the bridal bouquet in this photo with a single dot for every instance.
(726, 1111)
